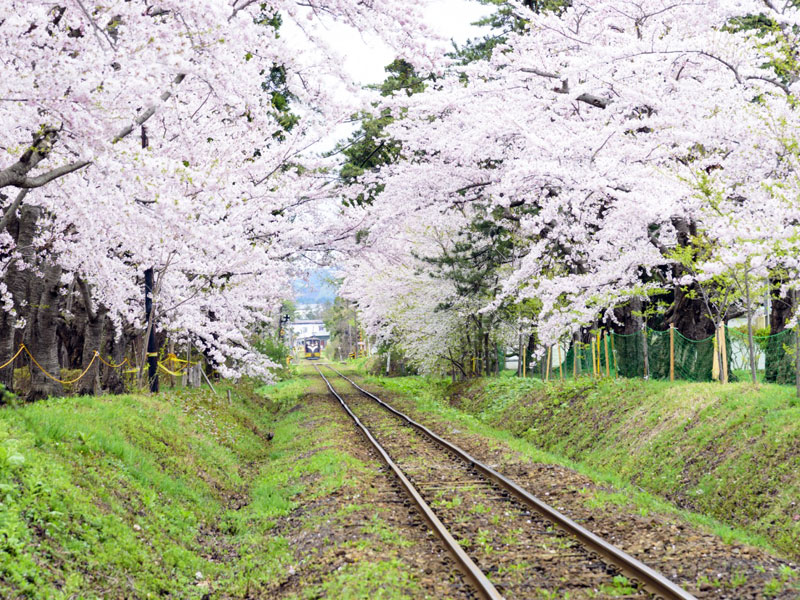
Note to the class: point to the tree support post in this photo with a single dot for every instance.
(797, 349)
(560, 366)
(549, 360)
(797, 359)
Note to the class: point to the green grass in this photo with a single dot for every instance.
(383, 580)
(729, 456)
(126, 493)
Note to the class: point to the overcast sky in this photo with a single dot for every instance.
(364, 60)
(451, 19)
(365, 56)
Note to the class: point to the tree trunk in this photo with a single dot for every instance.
(92, 342)
(529, 353)
(626, 323)
(114, 347)
(486, 362)
(7, 349)
(779, 367)
(16, 282)
(41, 333)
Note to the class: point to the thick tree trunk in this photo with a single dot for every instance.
(627, 323)
(7, 350)
(690, 318)
(779, 365)
(531, 348)
(15, 281)
(92, 342)
(114, 347)
(688, 312)
(486, 359)
(41, 332)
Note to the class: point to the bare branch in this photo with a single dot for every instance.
(96, 27)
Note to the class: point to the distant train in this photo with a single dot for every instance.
(313, 348)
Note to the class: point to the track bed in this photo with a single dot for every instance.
(523, 554)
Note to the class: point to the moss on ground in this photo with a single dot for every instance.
(730, 453)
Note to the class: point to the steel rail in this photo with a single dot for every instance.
(635, 570)
(472, 572)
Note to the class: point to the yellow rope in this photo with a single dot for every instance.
(108, 364)
(96, 356)
(21, 346)
(173, 358)
(61, 381)
(166, 370)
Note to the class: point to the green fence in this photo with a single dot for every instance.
(619, 355)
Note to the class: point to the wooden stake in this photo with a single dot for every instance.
(724, 352)
(597, 339)
(547, 367)
(574, 359)
(614, 357)
(598, 372)
(203, 373)
(560, 366)
(605, 343)
(672, 352)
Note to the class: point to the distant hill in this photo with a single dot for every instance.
(317, 290)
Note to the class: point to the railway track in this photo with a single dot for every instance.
(508, 543)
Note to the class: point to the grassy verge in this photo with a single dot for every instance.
(726, 457)
(144, 496)
(186, 494)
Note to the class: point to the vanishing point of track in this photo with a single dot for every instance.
(582, 558)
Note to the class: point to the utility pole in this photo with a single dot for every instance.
(152, 351)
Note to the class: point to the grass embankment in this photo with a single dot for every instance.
(150, 496)
(728, 455)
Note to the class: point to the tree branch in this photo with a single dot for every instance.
(40, 180)
(590, 99)
(11, 210)
(151, 110)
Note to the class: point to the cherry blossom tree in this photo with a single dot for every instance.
(173, 136)
(592, 132)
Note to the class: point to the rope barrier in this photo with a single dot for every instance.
(108, 364)
(168, 372)
(13, 358)
(61, 381)
(95, 356)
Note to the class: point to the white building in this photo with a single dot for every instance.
(306, 328)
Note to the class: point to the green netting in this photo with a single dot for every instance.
(693, 359)
(629, 354)
(779, 356)
(501, 358)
